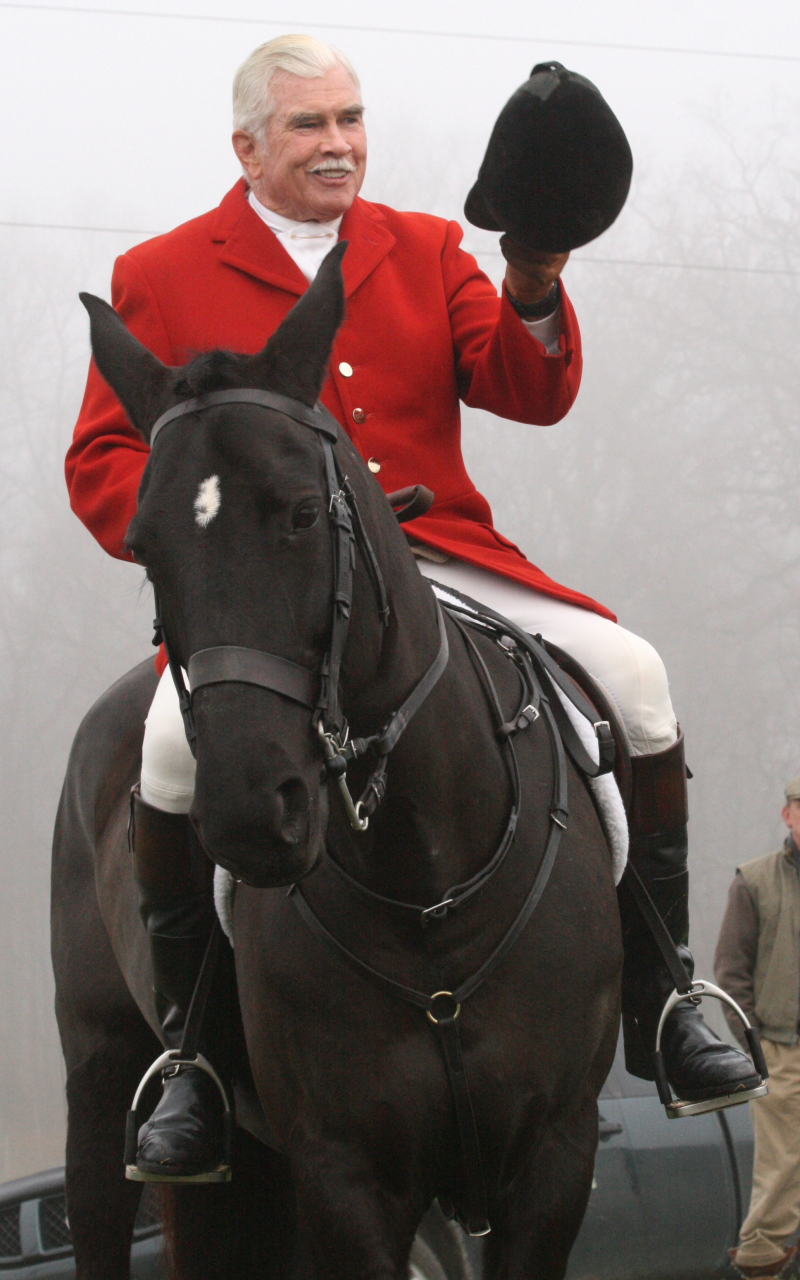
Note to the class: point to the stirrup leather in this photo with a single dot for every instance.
(175, 1058)
(675, 1108)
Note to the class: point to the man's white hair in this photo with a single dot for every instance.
(303, 56)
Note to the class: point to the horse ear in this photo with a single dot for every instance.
(295, 359)
(141, 381)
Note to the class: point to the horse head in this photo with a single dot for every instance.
(232, 528)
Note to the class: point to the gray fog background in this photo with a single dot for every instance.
(669, 493)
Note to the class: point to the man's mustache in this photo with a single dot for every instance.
(334, 166)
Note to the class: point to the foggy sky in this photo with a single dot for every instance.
(668, 493)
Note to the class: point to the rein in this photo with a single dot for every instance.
(320, 693)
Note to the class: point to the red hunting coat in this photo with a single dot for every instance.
(424, 327)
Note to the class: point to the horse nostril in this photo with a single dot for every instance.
(293, 810)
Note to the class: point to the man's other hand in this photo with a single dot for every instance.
(530, 275)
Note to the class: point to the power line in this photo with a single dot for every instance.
(670, 266)
(480, 253)
(691, 266)
(400, 31)
(68, 226)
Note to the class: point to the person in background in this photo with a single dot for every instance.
(757, 962)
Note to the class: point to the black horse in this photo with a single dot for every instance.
(347, 1131)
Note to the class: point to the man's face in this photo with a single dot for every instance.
(791, 816)
(311, 164)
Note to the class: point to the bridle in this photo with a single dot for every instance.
(319, 691)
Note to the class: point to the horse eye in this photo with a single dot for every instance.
(305, 515)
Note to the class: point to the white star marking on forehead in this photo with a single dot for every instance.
(206, 504)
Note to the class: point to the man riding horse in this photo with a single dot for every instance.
(424, 328)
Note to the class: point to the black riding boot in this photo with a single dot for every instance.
(184, 1135)
(699, 1065)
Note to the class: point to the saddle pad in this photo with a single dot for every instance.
(606, 793)
(224, 890)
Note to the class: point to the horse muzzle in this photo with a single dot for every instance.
(277, 846)
(258, 808)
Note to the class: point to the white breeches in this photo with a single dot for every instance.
(167, 763)
(627, 668)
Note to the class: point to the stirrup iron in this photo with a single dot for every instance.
(175, 1058)
(675, 1108)
(186, 1056)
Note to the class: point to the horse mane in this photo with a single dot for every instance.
(279, 367)
(217, 370)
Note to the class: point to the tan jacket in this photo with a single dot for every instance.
(758, 953)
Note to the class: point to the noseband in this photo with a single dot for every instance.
(318, 691)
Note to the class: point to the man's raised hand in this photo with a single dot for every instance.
(530, 274)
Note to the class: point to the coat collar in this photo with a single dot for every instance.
(248, 244)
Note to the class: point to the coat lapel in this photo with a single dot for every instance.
(246, 243)
(369, 241)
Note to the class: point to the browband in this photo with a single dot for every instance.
(319, 418)
(231, 664)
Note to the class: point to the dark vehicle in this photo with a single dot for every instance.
(668, 1195)
(35, 1238)
(666, 1204)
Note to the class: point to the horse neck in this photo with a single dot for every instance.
(448, 796)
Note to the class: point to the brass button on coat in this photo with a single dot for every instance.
(345, 369)
(359, 415)
(374, 466)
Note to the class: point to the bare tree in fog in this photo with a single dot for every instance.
(68, 627)
(670, 493)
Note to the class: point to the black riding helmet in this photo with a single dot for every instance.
(558, 165)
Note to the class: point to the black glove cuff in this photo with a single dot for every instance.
(538, 310)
